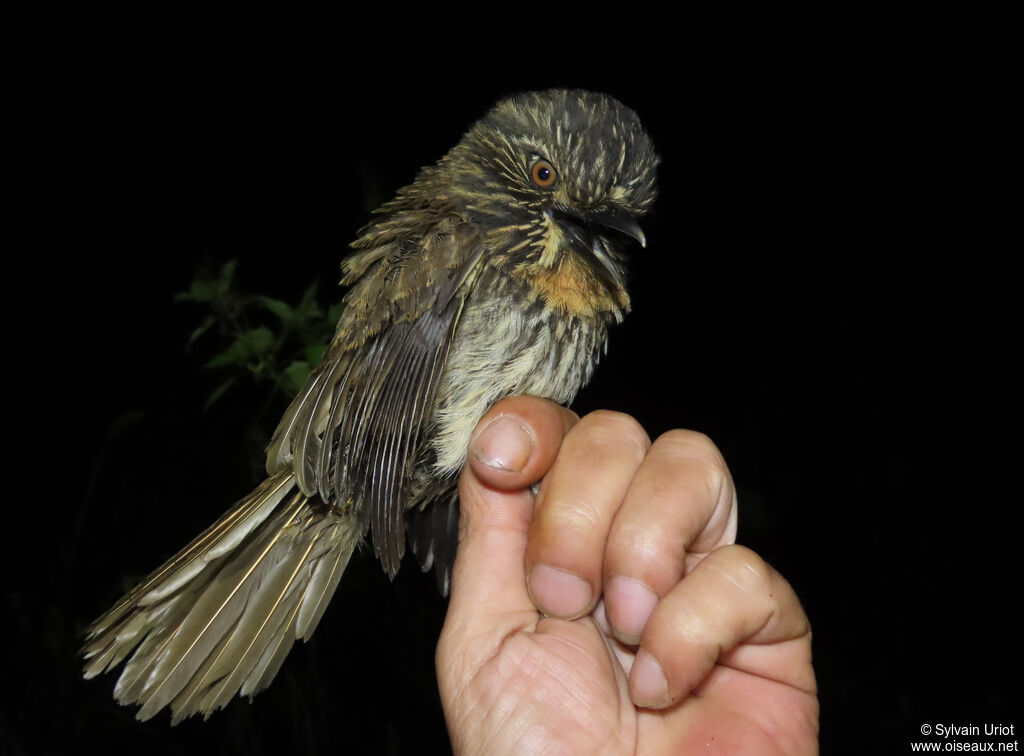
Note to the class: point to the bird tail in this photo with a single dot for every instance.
(221, 615)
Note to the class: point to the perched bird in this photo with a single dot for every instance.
(496, 272)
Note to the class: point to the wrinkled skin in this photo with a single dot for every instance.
(653, 634)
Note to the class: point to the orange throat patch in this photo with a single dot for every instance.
(570, 285)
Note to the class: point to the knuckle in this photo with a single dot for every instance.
(744, 567)
(617, 427)
(694, 443)
(716, 478)
(698, 448)
(579, 516)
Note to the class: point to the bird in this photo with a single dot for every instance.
(498, 271)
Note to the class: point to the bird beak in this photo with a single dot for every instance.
(582, 225)
(617, 220)
(585, 227)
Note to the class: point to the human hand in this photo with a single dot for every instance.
(534, 659)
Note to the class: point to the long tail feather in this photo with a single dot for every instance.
(220, 616)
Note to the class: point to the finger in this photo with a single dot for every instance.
(733, 610)
(575, 508)
(513, 445)
(680, 505)
(516, 441)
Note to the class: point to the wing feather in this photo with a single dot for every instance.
(310, 422)
(221, 615)
(356, 428)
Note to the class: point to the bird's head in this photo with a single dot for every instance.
(557, 172)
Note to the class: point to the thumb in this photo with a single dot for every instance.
(512, 447)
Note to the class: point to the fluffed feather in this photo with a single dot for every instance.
(220, 616)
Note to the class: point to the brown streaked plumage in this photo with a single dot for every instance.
(496, 272)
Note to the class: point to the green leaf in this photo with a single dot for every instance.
(205, 289)
(201, 290)
(334, 314)
(315, 353)
(282, 310)
(259, 340)
(227, 272)
(236, 354)
(218, 392)
(299, 335)
(252, 343)
(296, 374)
(222, 287)
(203, 328)
(309, 295)
(308, 314)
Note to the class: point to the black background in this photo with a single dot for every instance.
(830, 291)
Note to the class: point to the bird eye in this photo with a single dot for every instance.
(543, 173)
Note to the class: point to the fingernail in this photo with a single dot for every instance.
(647, 680)
(558, 593)
(504, 444)
(629, 605)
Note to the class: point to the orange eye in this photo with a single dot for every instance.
(543, 173)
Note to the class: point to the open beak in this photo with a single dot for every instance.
(617, 220)
(586, 227)
(583, 226)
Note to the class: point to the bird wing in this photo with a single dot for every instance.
(353, 432)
